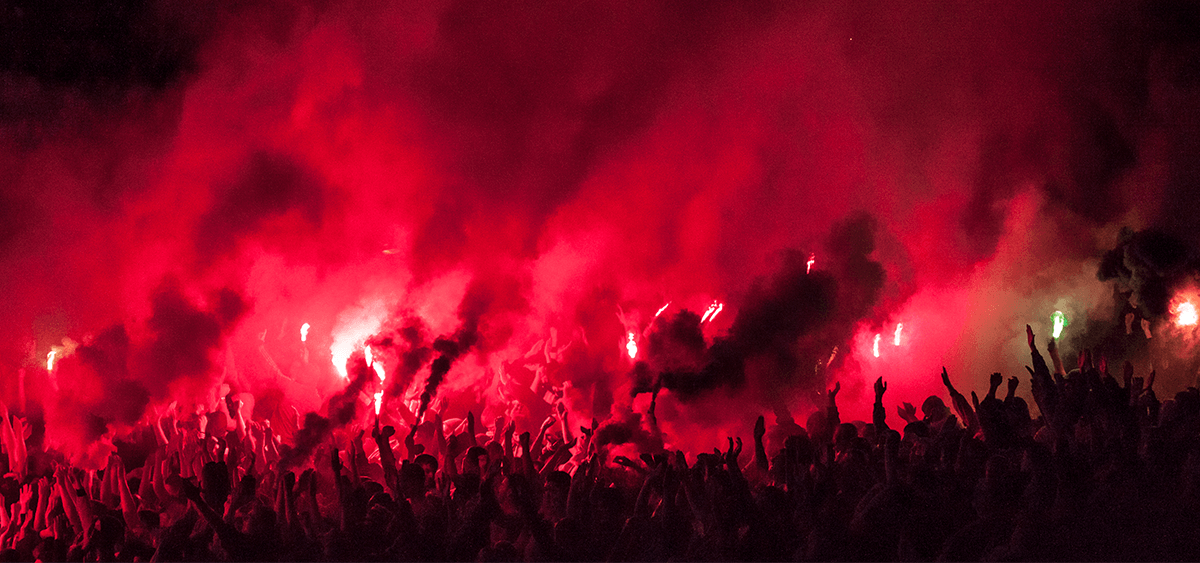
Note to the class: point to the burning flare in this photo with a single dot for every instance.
(378, 401)
(50, 360)
(896, 338)
(1060, 322)
(371, 363)
(664, 308)
(812, 259)
(631, 347)
(875, 348)
(1185, 314)
(304, 332)
(712, 311)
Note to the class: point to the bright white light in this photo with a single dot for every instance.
(664, 308)
(1187, 315)
(631, 347)
(50, 360)
(304, 332)
(875, 349)
(896, 339)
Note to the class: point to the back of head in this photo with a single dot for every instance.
(934, 409)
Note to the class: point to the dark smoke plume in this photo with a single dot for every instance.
(315, 430)
(485, 297)
(1153, 265)
(407, 341)
(112, 379)
(787, 324)
(184, 337)
(342, 408)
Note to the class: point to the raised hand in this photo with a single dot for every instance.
(1013, 383)
(731, 454)
(994, 384)
(880, 387)
(907, 412)
(1029, 338)
(760, 427)
(946, 377)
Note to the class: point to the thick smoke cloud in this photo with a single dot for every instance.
(784, 332)
(318, 156)
(111, 379)
(1152, 265)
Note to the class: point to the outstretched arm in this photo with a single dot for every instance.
(961, 407)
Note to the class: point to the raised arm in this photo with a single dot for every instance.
(878, 413)
(760, 451)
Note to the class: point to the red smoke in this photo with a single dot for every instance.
(186, 186)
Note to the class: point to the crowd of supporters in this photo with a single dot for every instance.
(1104, 471)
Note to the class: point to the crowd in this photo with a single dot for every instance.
(1105, 471)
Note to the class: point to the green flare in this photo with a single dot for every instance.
(1060, 322)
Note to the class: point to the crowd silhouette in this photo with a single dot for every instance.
(1104, 471)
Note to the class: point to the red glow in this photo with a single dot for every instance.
(896, 338)
(631, 346)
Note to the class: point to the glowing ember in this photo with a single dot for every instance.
(896, 338)
(664, 308)
(304, 332)
(1185, 314)
(812, 259)
(1060, 322)
(631, 347)
(717, 312)
(378, 401)
(50, 360)
(875, 349)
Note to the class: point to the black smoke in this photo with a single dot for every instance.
(786, 326)
(1153, 265)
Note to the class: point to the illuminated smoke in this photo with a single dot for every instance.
(317, 158)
